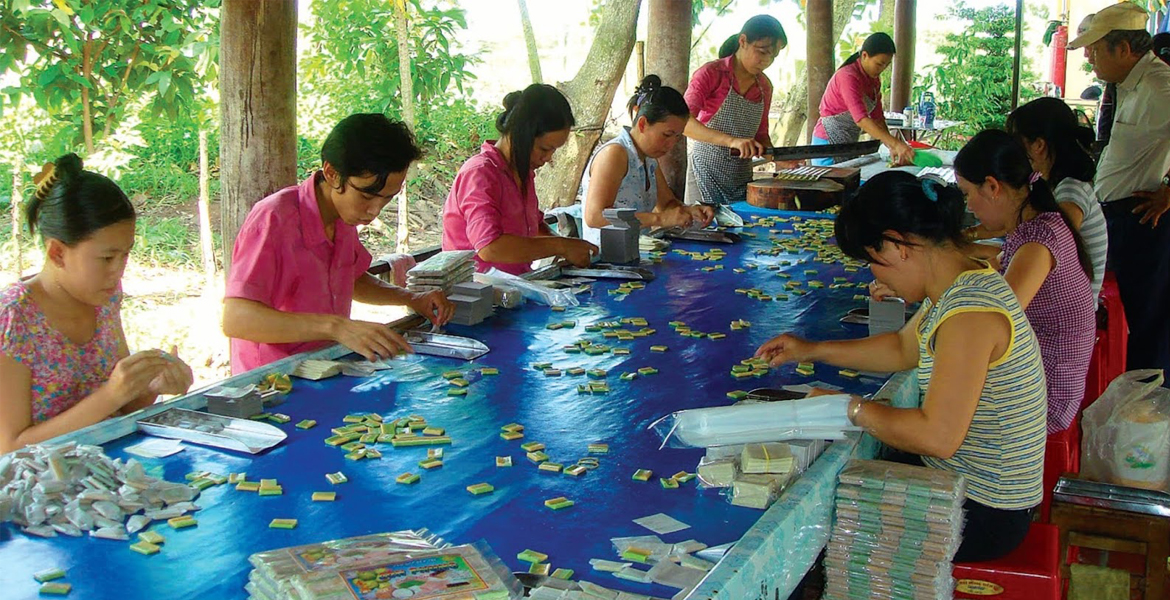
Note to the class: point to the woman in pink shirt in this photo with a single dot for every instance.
(731, 96)
(852, 102)
(64, 362)
(492, 208)
(297, 265)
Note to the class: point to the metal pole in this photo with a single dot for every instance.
(1016, 59)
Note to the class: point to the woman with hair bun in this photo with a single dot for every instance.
(982, 408)
(492, 207)
(731, 96)
(624, 172)
(64, 362)
(852, 102)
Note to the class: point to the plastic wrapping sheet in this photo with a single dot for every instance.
(541, 294)
(821, 417)
(772, 549)
(468, 572)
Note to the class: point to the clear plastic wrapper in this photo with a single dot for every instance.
(756, 491)
(277, 568)
(675, 576)
(532, 291)
(467, 572)
(820, 417)
(717, 472)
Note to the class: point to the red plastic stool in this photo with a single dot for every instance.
(1062, 455)
(1109, 353)
(1031, 572)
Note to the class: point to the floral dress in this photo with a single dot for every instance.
(63, 373)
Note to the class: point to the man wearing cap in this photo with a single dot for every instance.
(1132, 182)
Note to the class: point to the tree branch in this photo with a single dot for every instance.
(112, 101)
(45, 49)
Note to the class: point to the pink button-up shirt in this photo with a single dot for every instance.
(485, 203)
(283, 260)
(712, 82)
(848, 90)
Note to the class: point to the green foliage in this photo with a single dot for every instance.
(974, 82)
(166, 241)
(354, 61)
(86, 61)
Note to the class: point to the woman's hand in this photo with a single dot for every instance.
(176, 377)
(433, 305)
(747, 147)
(880, 291)
(134, 375)
(579, 253)
(374, 341)
(901, 153)
(701, 214)
(786, 348)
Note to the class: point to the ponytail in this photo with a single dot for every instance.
(995, 153)
(655, 102)
(70, 204)
(874, 45)
(539, 109)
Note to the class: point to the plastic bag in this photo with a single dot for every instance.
(1127, 433)
(532, 291)
(820, 417)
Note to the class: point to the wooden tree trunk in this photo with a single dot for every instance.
(257, 82)
(206, 245)
(17, 183)
(795, 105)
(406, 88)
(819, 61)
(591, 94)
(903, 77)
(668, 55)
(530, 42)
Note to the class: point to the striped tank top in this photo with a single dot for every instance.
(1003, 453)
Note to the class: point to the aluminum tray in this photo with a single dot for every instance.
(447, 346)
(241, 435)
(1116, 497)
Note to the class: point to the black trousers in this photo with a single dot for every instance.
(1139, 255)
(989, 533)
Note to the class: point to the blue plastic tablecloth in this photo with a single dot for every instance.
(210, 560)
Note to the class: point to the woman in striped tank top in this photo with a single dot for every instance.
(983, 406)
(1043, 259)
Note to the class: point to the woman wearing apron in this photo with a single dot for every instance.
(732, 95)
(624, 172)
(853, 102)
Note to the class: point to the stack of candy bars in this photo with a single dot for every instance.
(896, 531)
(755, 475)
(441, 271)
(383, 565)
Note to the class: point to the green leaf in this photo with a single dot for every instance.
(164, 82)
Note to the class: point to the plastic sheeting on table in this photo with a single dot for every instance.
(210, 560)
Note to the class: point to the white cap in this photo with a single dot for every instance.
(1122, 16)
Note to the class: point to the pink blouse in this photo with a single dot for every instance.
(710, 86)
(63, 373)
(485, 203)
(848, 89)
(283, 260)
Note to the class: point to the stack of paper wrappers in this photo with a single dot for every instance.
(896, 531)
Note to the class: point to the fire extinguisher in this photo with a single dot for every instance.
(1060, 57)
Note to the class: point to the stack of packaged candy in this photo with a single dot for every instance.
(414, 564)
(896, 532)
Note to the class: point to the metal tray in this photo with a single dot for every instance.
(712, 236)
(1116, 497)
(447, 346)
(241, 435)
(606, 271)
